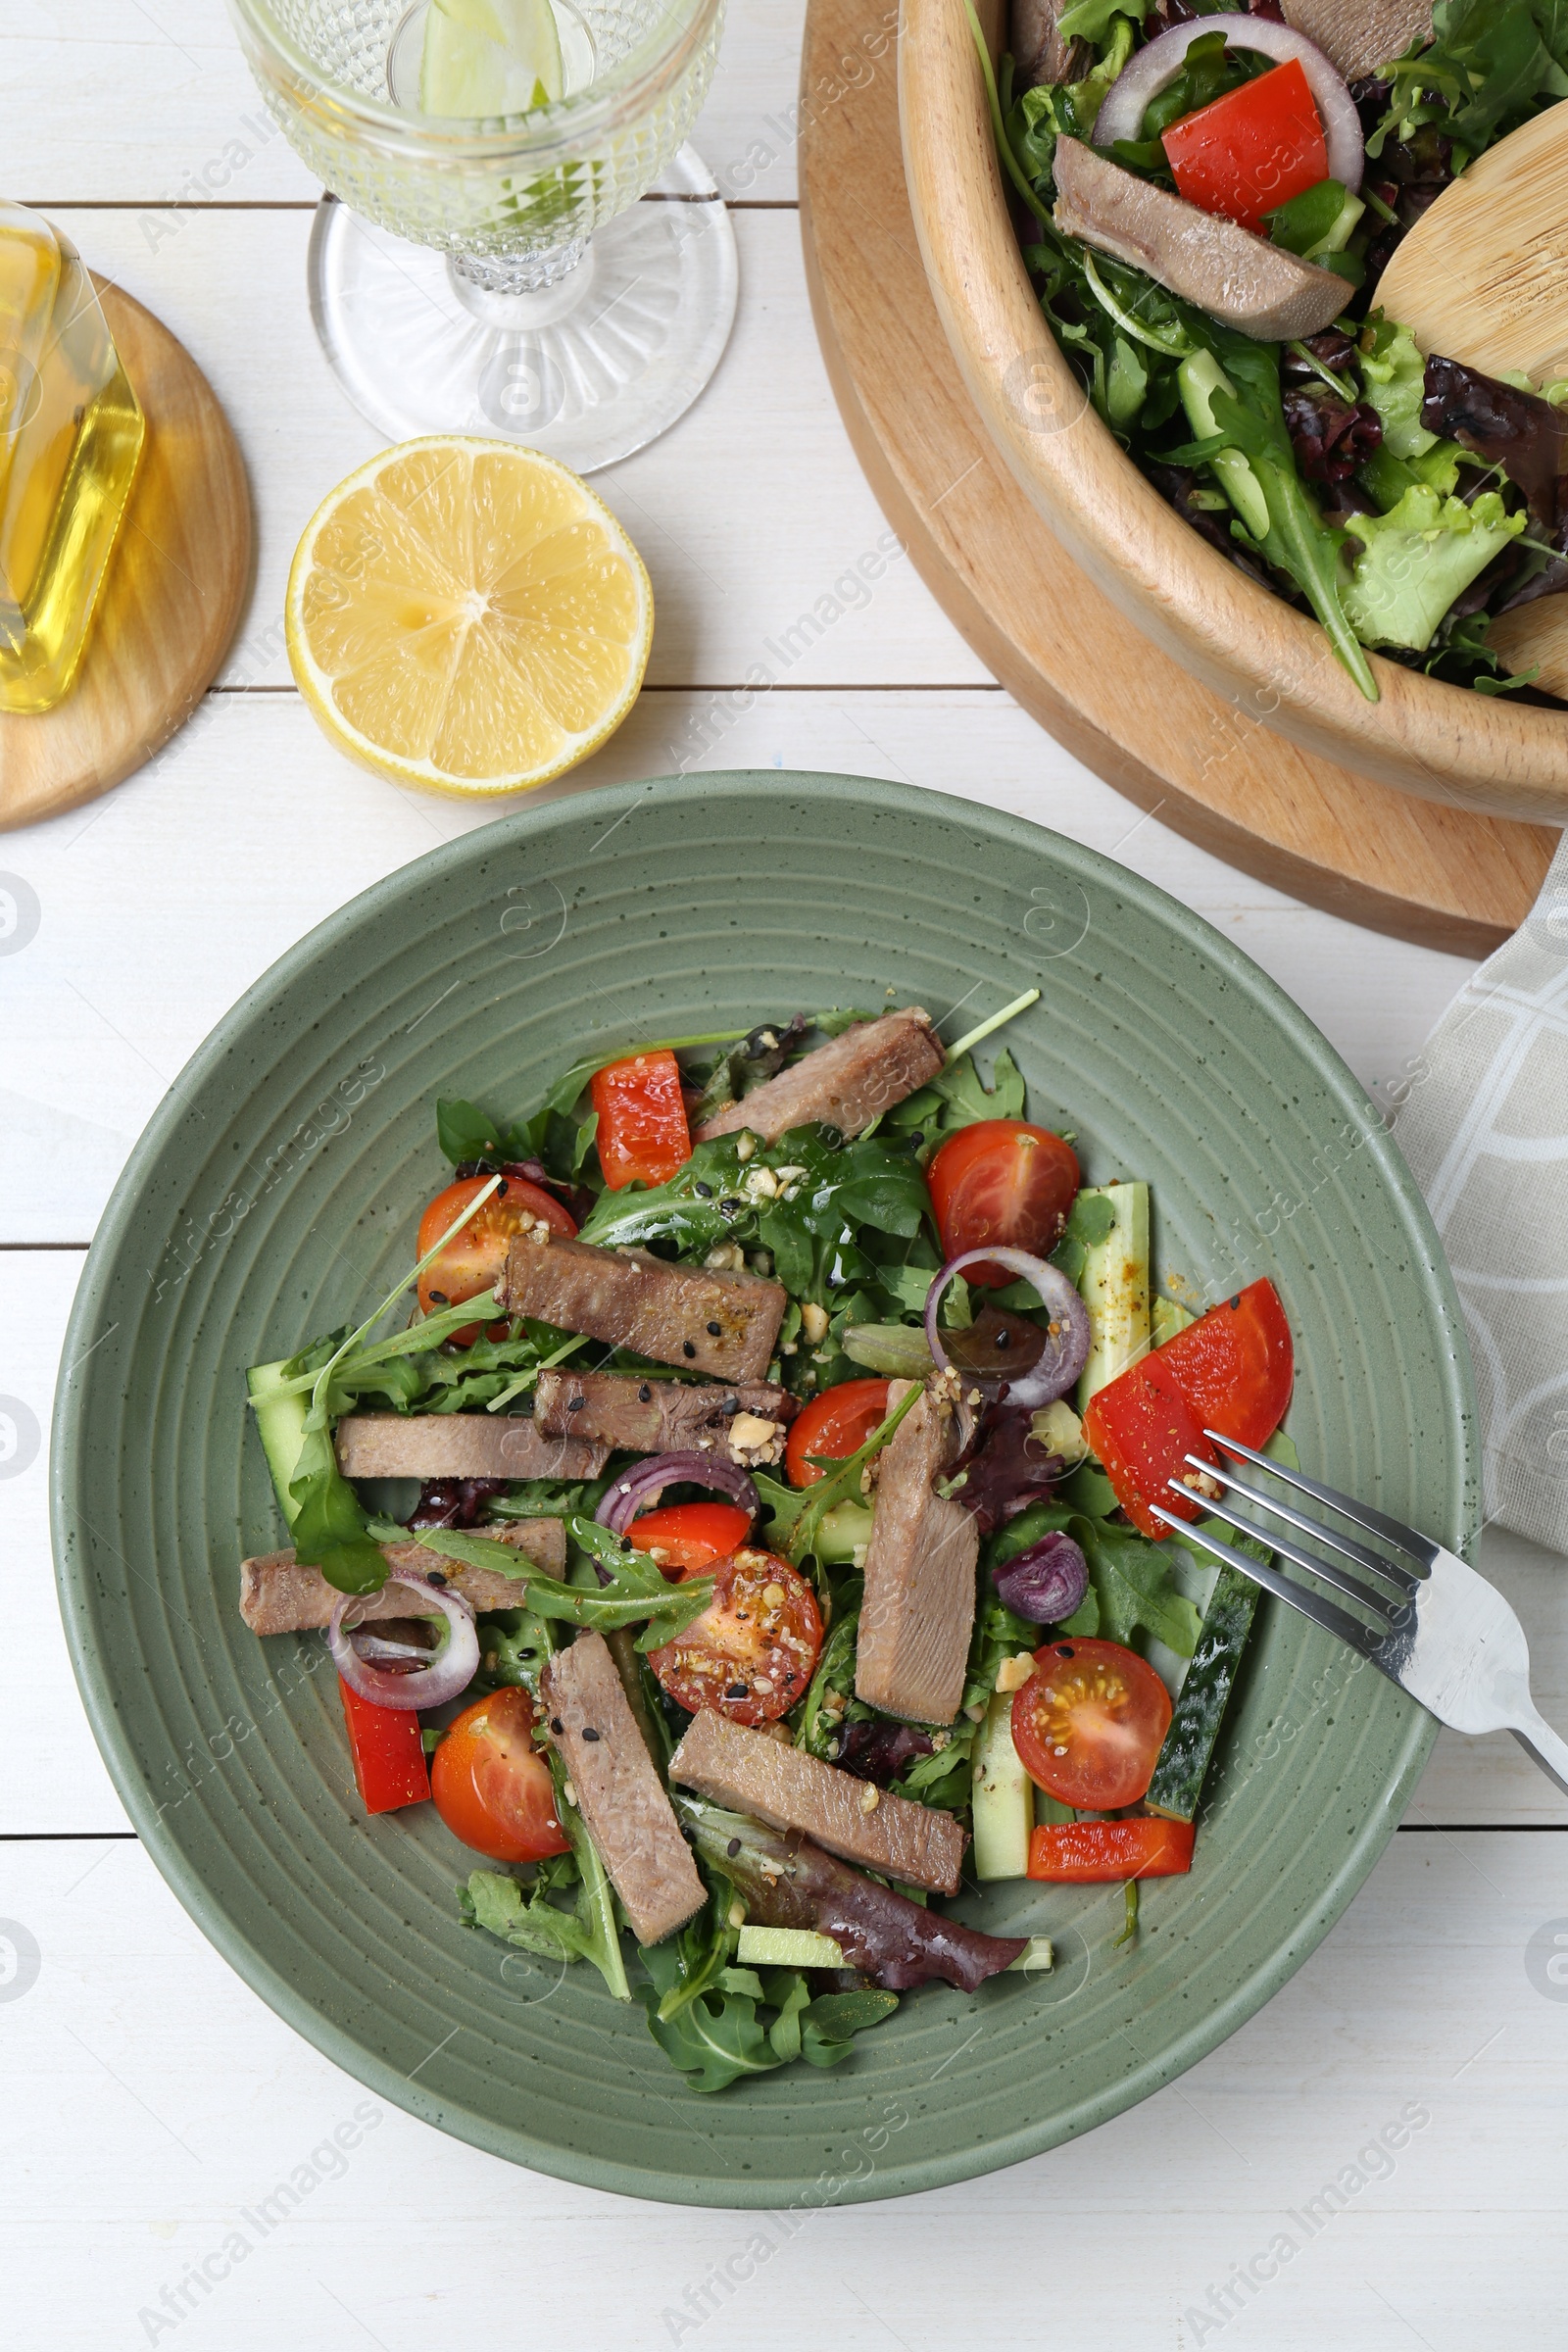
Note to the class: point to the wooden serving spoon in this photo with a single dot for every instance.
(1483, 277)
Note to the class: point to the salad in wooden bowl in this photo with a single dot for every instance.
(1157, 234)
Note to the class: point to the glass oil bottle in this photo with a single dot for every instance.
(71, 437)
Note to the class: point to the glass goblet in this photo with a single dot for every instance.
(505, 275)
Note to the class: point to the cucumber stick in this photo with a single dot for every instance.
(1198, 377)
(1189, 1744)
(800, 1947)
(280, 1419)
(1114, 1285)
(786, 1948)
(1003, 1798)
(1187, 1750)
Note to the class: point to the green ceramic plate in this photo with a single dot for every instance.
(275, 1195)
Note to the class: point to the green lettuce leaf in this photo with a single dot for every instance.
(1418, 558)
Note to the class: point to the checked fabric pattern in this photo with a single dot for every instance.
(1485, 1128)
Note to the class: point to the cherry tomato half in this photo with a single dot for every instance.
(689, 1536)
(642, 1134)
(1235, 1365)
(1088, 1722)
(472, 1262)
(1001, 1181)
(753, 1651)
(492, 1787)
(834, 1426)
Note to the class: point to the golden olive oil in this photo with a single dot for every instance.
(71, 437)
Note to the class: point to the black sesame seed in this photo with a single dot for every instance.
(645, 1395)
(1004, 1338)
(556, 1725)
(437, 1577)
(729, 1209)
(575, 1404)
(588, 1731)
(439, 1298)
(918, 1138)
(704, 1192)
(736, 1690)
(501, 1189)
(733, 1849)
(731, 1405)
(1236, 1302)
(687, 1348)
(713, 1329)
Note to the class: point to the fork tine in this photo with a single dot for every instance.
(1418, 1548)
(1326, 1613)
(1380, 1604)
(1345, 1546)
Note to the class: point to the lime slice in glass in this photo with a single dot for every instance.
(489, 57)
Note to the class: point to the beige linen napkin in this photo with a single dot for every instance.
(1485, 1128)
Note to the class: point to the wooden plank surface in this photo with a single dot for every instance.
(151, 2099)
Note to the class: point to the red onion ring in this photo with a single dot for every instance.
(1154, 68)
(1067, 1340)
(452, 1667)
(639, 1489)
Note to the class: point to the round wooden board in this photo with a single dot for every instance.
(1444, 877)
(172, 599)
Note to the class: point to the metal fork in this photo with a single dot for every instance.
(1431, 1624)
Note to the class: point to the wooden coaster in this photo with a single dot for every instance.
(1444, 877)
(180, 569)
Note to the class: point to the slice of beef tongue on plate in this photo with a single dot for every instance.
(1234, 275)
(844, 1084)
(455, 1445)
(619, 1791)
(278, 1596)
(918, 1608)
(655, 1416)
(1356, 37)
(700, 1320)
(788, 1790)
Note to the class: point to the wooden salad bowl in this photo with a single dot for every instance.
(1269, 660)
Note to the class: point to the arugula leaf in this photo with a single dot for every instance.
(839, 2016)
(835, 1672)
(715, 2039)
(496, 1904)
(702, 1951)
(465, 1132)
(634, 1592)
(1491, 65)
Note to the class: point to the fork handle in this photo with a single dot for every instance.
(1539, 1741)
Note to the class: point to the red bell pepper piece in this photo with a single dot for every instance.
(388, 1754)
(1142, 1427)
(1251, 150)
(642, 1134)
(1235, 1365)
(1084, 1852)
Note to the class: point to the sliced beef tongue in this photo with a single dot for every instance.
(918, 1608)
(662, 1416)
(844, 1084)
(751, 1773)
(278, 1596)
(619, 1791)
(1359, 35)
(461, 1445)
(1234, 275)
(692, 1316)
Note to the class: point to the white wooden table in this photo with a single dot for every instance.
(149, 2097)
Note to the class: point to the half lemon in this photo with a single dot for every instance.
(468, 617)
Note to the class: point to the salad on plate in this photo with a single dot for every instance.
(746, 1542)
(1207, 196)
